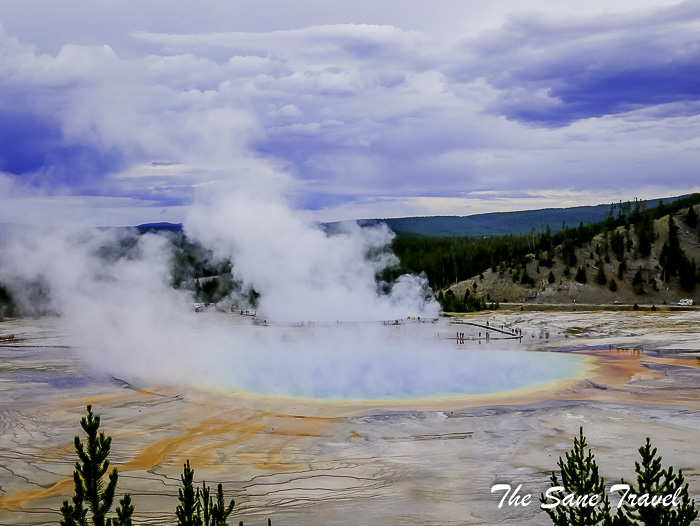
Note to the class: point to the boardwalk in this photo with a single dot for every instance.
(509, 334)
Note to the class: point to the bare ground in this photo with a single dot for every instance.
(300, 462)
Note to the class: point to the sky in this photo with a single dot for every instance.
(120, 113)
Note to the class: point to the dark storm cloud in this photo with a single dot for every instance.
(360, 111)
(33, 149)
(552, 72)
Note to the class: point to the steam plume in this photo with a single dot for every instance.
(301, 272)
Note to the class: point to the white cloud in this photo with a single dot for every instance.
(395, 108)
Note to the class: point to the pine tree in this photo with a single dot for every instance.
(91, 495)
(645, 234)
(654, 481)
(189, 510)
(581, 275)
(568, 252)
(526, 279)
(687, 271)
(621, 269)
(579, 476)
(671, 252)
(638, 281)
(215, 514)
(197, 507)
(617, 244)
(124, 512)
(601, 278)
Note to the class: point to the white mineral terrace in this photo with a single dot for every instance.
(327, 461)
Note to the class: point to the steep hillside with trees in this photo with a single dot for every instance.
(636, 255)
(644, 256)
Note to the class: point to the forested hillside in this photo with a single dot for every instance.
(636, 254)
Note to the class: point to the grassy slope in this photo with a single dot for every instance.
(565, 289)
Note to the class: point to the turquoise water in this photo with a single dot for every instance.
(395, 372)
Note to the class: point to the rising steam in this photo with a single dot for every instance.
(125, 319)
(301, 272)
(113, 289)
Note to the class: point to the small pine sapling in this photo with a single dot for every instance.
(656, 483)
(91, 495)
(124, 512)
(579, 476)
(189, 510)
(219, 511)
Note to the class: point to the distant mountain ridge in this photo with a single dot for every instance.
(502, 223)
(487, 224)
(159, 227)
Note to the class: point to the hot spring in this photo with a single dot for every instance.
(374, 362)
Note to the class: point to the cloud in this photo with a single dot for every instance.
(353, 41)
(85, 120)
(552, 71)
(356, 111)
